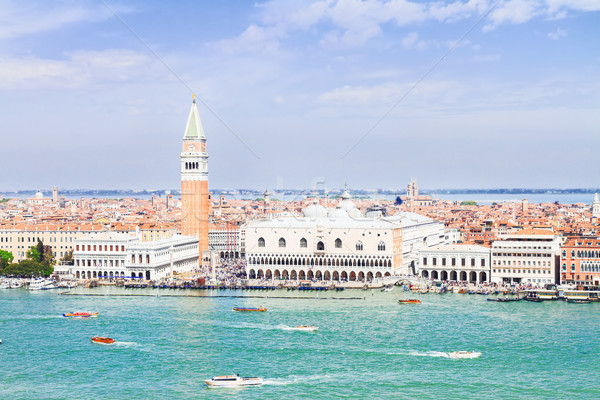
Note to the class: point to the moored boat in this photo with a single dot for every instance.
(409, 301)
(102, 340)
(233, 381)
(579, 301)
(464, 354)
(80, 315)
(259, 309)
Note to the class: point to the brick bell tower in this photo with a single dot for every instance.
(194, 180)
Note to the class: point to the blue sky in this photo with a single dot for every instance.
(293, 86)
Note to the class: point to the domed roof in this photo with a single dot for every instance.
(39, 195)
(315, 210)
(338, 212)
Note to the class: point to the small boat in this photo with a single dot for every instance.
(305, 328)
(533, 299)
(579, 301)
(464, 354)
(260, 309)
(102, 340)
(80, 315)
(409, 301)
(233, 381)
(387, 288)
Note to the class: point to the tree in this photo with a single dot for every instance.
(468, 203)
(6, 257)
(41, 254)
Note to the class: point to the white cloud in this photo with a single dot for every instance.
(412, 41)
(28, 18)
(558, 34)
(352, 23)
(77, 69)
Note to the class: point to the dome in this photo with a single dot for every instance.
(315, 211)
(337, 213)
(39, 195)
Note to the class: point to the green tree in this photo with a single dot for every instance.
(33, 254)
(468, 203)
(6, 257)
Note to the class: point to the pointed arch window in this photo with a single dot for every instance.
(303, 243)
(281, 242)
(381, 246)
(320, 246)
(359, 246)
(338, 243)
(261, 242)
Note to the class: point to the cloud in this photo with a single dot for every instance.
(28, 18)
(558, 34)
(412, 41)
(77, 69)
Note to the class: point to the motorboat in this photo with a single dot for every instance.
(5, 285)
(579, 301)
(464, 354)
(387, 288)
(80, 315)
(503, 300)
(102, 340)
(409, 301)
(233, 381)
(42, 284)
(305, 328)
(259, 309)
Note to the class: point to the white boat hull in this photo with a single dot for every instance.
(464, 354)
(239, 382)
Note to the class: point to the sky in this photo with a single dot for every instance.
(95, 94)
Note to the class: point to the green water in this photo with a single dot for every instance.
(368, 348)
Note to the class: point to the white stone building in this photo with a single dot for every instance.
(117, 255)
(455, 262)
(225, 241)
(337, 244)
(526, 257)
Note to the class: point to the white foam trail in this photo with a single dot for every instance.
(292, 380)
(416, 353)
(128, 344)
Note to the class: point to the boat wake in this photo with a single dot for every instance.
(128, 344)
(416, 353)
(293, 380)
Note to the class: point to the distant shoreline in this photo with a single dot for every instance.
(128, 193)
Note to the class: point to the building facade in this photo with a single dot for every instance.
(109, 255)
(337, 244)
(456, 262)
(194, 181)
(225, 240)
(580, 262)
(526, 257)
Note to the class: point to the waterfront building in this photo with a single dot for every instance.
(580, 262)
(117, 255)
(225, 240)
(528, 256)
(19, 238)
(337, 244)
(455, 262)
(194, 181)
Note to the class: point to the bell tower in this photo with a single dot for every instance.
(194, 180)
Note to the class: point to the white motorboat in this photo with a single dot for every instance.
(5, 285)
(233, 381)
(16, 284)
(387, 288)
(42, 284)
(304, 328)
(464, 354)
